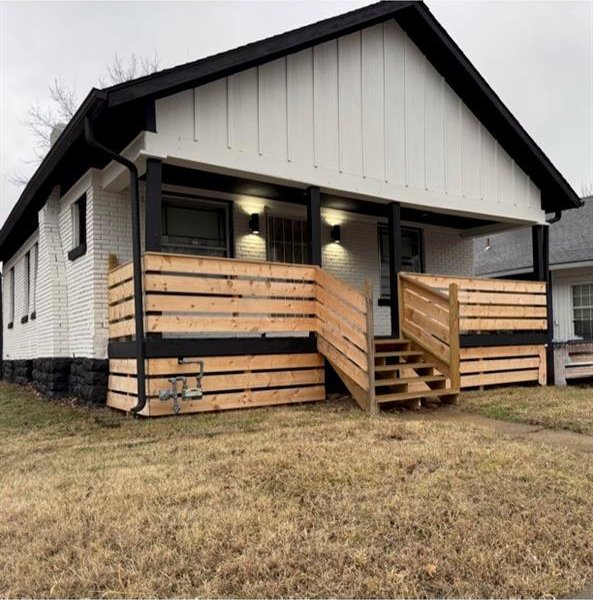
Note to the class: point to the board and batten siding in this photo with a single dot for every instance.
(366, 114)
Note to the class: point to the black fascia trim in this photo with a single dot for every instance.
(475, 340)
(450, 61)
(225, 63)
(25, 319)
(179, 347)
(10, 325)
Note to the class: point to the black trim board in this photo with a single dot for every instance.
(502, 339)
(179, 347)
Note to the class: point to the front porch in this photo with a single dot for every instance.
(228, 333)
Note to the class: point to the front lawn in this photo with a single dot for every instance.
(568, 407)
(301, 501)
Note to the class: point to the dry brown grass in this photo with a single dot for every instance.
(568, 408)
(302, 501)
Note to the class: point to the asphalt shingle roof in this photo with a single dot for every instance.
(571, 240)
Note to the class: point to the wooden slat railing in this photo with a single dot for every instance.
(196, 295)
(491, 305)
(430, 318)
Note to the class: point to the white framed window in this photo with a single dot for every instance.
(582, 310)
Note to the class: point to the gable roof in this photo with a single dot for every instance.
(120, 112)
(571, 241)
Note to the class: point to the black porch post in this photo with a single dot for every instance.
(540, 235)
(314, 225)
(395, 261)
(153, 206)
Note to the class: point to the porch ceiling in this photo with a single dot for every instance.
(180, 176)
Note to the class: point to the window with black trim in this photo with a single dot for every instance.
(35, 267)
(78, 224)
(582, 310)
(286, 239)
(11, 298)
(196, 226)
(26, 287)
(412, 255)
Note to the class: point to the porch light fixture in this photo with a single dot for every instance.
(336, 234)
(254, 223)
(488, 246)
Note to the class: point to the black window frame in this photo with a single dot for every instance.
(385, 300)
(11, 298)
(33, 299)
(196, 202)
(26, 287)
(80, 249)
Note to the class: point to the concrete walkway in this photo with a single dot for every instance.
(567, 439)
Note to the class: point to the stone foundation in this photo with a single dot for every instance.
(82, 378)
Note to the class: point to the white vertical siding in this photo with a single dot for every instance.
(364, 113)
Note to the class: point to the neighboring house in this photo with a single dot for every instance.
(509, 254)
(274, 180)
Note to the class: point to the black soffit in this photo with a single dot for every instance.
(120, 112)
(181, 176)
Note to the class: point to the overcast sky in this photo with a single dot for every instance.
(538, 57)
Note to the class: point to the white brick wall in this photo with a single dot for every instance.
(72, 295)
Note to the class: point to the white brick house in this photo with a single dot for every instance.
(373, 109)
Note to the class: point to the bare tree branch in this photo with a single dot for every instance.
(43, 119)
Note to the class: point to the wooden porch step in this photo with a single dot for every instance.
(397, 397)
(390, 353)
(391, 341)
(399, 366)
(403, 380)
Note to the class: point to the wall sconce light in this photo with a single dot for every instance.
(336, 234)
(254, 223)
(488, 246)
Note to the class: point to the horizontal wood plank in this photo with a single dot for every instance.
(499, 378)
(246, 380)
(245, 399)
(484, 284)
(223, 286)
(177, 263)
(469, 324)
(489, 298)
(195, 324)
(503, 364)
(497, 311)
(227, 364)
(214, 304)
(499, 351)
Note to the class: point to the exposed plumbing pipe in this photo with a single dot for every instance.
(136, 258)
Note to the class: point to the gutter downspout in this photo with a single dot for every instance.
(136, 259)
(557, 216)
